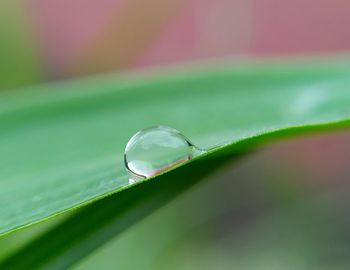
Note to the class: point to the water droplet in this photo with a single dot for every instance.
(155, 150)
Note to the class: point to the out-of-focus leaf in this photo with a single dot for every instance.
(19, 64)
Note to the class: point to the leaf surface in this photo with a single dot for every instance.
(62, 145)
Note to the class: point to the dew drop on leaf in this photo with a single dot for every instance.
(155, 150)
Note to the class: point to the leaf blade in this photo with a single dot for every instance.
(88, 229)
(46, 133)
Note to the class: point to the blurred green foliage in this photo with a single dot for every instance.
(19, 54)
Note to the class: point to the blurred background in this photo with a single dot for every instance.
(284, 207)
(45, 40)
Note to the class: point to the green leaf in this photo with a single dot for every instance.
(63, 148)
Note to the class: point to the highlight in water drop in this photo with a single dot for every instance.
(155, 150)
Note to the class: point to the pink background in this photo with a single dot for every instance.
(201, 29)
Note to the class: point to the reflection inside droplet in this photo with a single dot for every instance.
(155, 150)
